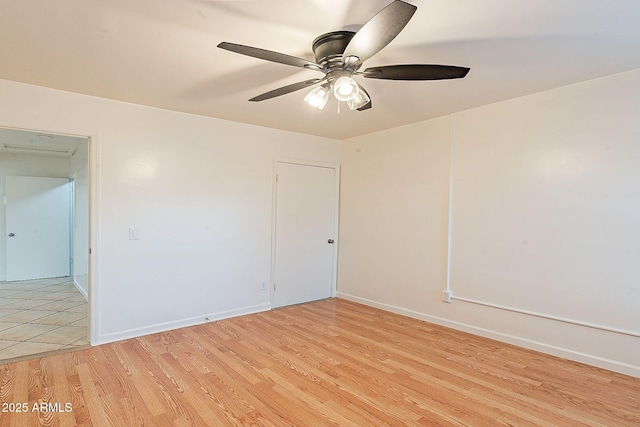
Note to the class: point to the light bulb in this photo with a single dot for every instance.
(318, 97)
(345, 89)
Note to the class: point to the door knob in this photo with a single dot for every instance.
(11, 235)
(330, 241)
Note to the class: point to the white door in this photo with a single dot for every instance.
(306, 206)
(37, 227)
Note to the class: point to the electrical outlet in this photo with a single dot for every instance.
(446, 296)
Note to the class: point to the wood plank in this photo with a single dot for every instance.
(330, 362)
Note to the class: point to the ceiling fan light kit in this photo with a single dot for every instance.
(340, 55)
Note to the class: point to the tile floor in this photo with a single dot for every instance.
(38, 316)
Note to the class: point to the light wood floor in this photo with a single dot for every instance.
(329, 362)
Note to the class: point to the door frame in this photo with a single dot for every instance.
(93, 223)
(311, 163)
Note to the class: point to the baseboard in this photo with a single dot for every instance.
(81, 290)
(167, 326)
(565, 353)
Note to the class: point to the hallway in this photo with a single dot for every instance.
(41, 316)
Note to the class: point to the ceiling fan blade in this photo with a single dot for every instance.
(378, 32)
(416, 72)
(286, 89)
(268, 55)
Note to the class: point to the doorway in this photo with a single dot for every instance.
(306, 206)
(43, 311)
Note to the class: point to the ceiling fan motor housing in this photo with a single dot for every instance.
(328, 48)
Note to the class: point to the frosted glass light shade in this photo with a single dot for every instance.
(345, 89)
(360, 100)
(318, 97)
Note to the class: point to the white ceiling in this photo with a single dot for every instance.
(163, 53)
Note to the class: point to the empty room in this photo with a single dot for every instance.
(310, 213)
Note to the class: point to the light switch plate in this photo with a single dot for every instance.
(134, 233)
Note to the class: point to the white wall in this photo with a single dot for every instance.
(24, 165)
(198, 189)
(544, 220)
(393, 214)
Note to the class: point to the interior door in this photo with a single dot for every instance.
(37, 213)
(305, 226)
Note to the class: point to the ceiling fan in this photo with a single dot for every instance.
(340, 55)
